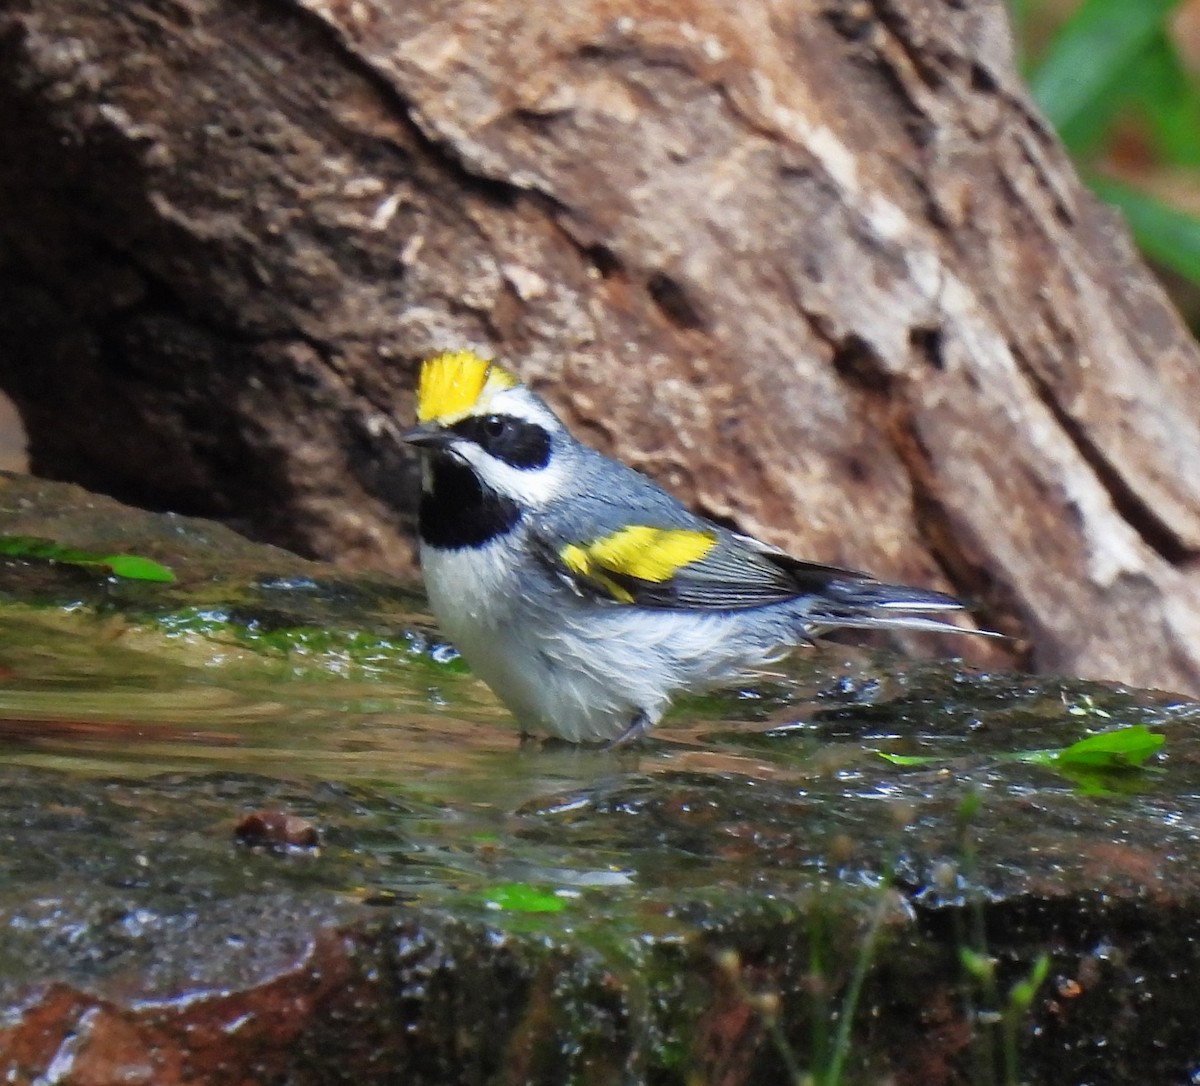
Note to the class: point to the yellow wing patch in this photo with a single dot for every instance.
(639, 552)
(455, 384)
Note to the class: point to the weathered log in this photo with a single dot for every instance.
(819, 267)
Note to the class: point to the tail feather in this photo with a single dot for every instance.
(872, 605)
(893, 622)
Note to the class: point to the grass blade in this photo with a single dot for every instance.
(1090, 55)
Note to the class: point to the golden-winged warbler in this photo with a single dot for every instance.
(585, 595)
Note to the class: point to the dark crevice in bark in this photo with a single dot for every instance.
(461, 177)
(928, 345)
(603, 259)
(1152, 530)
(674, 303)
(879, 67)
(861, 368)
(993, 602)
(932, 73)
(858, 365)
(1058, 198)
(983, 80)
(852, 22)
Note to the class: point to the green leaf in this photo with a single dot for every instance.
(1020, 996)
(1090, 59)
(137, 568)
(1157, 92)
(979, 966)
(123, 565)
(519, 897)
(1090, 764)
(1121, 748)
(909, 759)
(1169, 236)
(1168, 99)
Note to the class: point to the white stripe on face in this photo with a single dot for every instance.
(528, 487)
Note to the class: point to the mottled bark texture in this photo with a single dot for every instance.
(817, 265)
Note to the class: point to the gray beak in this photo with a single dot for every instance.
(427, 437)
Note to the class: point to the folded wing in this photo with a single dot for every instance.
(707, 568)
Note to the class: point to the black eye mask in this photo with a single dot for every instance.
(517, 442)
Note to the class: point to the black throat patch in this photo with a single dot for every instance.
(457, 511)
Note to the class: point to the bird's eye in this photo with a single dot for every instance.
(515, 441)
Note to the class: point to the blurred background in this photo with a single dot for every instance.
(1120, 81)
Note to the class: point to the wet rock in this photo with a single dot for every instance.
(276, 830)
(699, 909)
(667, 218)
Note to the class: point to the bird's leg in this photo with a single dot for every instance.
(638, 727)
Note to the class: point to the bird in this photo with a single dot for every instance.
(585, 595)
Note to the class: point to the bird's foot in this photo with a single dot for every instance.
(638, 727)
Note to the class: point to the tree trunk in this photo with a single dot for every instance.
(819, 267)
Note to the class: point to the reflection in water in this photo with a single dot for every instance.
(435, 794)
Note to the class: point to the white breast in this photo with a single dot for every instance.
(482, 608)
(571, 666)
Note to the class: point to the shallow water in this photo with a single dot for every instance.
(597, 896)
(785, 776)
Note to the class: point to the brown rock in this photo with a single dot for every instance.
(819, 268)
(274, 829)
(205, 1035)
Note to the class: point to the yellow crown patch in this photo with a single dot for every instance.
(454, 384)
(638, 551)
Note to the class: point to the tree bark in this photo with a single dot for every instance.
(817, 266)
